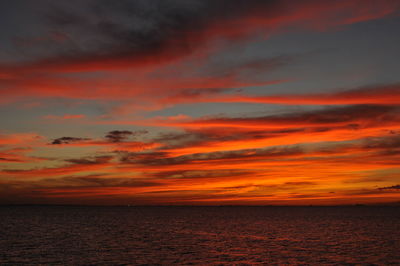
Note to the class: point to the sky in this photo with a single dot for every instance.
(200, 102)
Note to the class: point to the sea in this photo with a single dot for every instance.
(186, 235)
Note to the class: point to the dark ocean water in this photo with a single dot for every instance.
(199, 235)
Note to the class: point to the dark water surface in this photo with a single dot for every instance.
(62, 235)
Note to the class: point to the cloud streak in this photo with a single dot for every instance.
(198, 102)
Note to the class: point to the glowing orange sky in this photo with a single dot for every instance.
(200, 102)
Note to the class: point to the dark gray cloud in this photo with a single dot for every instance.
(203, 136)
(90, 160)
(160, 158)
(348, 114)
(9, 160)
(69, 186)
(96, 181)
(118, 135)
(395, 187)
(388, 142)
(89, 35)
(200, 174)
(67, 140)
(97, 32)
(122, 135)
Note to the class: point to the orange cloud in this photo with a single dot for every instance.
(329, 155)
(19, 138)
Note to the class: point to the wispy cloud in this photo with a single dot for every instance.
(169, 83)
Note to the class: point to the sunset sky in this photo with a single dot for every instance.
(200, 102)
